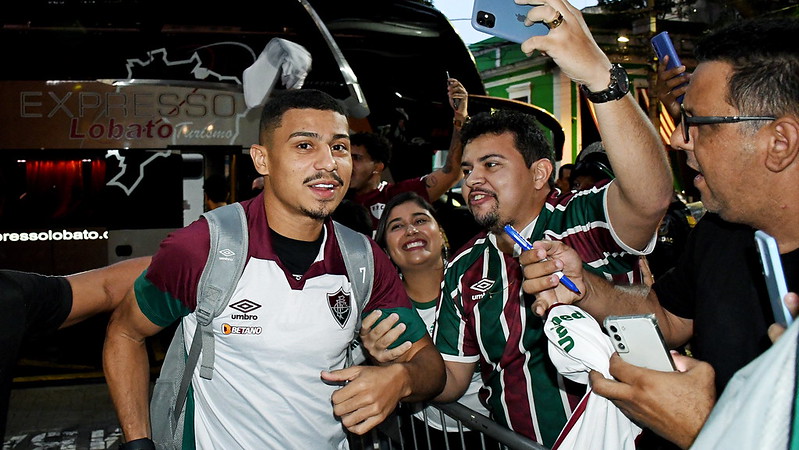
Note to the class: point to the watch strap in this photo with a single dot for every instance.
(618, 87)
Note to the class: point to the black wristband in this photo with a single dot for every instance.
(138, 444)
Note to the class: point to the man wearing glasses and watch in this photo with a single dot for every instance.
(740, 129)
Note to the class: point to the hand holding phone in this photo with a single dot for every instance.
(638, 341)
(663, 46)
(456, 102)
(775, 277)
(505, 19)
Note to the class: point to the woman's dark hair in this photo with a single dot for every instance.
(399, 199)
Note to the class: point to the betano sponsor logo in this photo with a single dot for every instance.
(50, 235)
(234, 329)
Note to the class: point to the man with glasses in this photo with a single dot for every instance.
(740, 129)
(687, 121)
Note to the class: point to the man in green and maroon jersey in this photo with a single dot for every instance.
(507, 164)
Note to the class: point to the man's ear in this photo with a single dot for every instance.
(259, 159)
(379, 167)
(542, 171)
(783, 144)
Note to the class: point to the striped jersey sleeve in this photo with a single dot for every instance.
(389, 296)
(580, 219)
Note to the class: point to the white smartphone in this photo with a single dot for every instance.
(775, 278)
(505, 19)
(638, 341)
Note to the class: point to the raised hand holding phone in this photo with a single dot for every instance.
(663, 46)
(456, 102)
(505, 19)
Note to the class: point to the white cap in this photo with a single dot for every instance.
(279, 56)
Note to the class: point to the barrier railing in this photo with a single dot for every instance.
(400, 431)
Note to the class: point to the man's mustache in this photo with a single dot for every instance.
(322, 176)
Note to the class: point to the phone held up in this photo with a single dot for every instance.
(775, 277)
(505, 19)
(455, 101)
(638, 341)
(663, 46)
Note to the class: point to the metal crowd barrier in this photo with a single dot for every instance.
(399, 431)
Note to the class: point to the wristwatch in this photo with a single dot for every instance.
(619, 86)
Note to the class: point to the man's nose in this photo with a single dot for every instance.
(677, 140)
(326, 161)
(473, 178)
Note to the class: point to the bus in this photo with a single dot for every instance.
(115, 111)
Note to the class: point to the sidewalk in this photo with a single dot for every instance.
(62, 417)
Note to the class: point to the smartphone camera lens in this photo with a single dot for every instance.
(617, 337)
(613, 329)
(621, 346)
(486, 19)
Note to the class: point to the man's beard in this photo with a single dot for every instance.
(321, 214)
(489, 220)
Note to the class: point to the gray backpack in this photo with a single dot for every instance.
(225, 264)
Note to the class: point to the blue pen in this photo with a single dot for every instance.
(525, 245)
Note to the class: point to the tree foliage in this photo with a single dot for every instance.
(682, 8)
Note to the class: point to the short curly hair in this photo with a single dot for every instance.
(527, 135)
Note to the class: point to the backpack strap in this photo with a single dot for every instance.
(359, 261)
(226, 258)
(229, 239)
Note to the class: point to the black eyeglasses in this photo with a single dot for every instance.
(687, 121)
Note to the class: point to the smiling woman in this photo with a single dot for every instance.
(409, 232)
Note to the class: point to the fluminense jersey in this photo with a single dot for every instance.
(485, 317)
(470, 398)
(277, 334)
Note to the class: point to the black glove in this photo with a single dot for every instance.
(138, 444)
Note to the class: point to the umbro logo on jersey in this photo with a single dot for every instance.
(227, 254)
(245, 306)
(483, 285)
(339, 303)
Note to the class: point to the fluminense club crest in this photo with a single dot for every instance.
(339, 303)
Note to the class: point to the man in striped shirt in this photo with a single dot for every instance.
(507, 164)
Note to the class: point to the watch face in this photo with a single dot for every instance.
(618, 88)
(623, 81)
